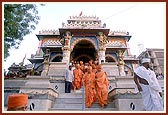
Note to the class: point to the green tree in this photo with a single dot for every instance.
(19, 20)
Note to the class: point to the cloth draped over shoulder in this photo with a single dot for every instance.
(150, 93)
(90, 92)
(149, 76)
(77, 78)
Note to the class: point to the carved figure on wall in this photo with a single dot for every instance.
(46, 56)
(102, 39)
(67, 37)
(120, 57)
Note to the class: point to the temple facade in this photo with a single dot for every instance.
(82, 38)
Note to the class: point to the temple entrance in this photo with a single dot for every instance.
(84, 51)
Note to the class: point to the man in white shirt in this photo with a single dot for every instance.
(149, 87)
(69, 77)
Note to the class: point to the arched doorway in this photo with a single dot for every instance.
(57, 58)
(84, 51)
(110, 58)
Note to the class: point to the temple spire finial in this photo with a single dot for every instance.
(80, 13)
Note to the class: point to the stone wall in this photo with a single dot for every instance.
(110, 68)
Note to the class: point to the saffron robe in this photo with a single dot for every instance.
(90, 91)
(77, 84)
(102, 88)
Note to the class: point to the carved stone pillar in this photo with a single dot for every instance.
(66, 49)
(46, 57)
(102, 40)
(121, 63)
(101, 55)
(67, 36)
(66, 54)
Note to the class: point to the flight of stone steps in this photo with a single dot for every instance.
(74, 102)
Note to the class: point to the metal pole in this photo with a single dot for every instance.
(83, 96)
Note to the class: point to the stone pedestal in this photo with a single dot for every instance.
(41, 94)
(101, 55)
(44, 73)
(126, 100)
(66, 54)
(129, 102)
(121, 70)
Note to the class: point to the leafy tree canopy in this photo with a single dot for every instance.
(19, 20)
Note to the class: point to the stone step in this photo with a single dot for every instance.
(100, 109)
(74, 101)
(68, 105)
(71, 95)
(79, 105)
(68, 100)
(81, 109)
(109, 105)
(63, 109)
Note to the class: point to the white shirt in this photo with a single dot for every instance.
(69, 75)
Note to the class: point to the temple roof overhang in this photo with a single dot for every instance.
(132, 61)
(115, 48)
(41, 36)
(126, 37)
(84, 32)
(131, 58)
(36, 59)
(52, 48)
(15, 67)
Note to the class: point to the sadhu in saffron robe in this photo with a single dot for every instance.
(102, 87)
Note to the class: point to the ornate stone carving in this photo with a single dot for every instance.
(46, 56)
(46, 62)
(115, 43)
(83, 22)
(102, 38)
(49, 32)
(67, 36)
(49, 42)
(120, 57)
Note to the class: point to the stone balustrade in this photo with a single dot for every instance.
(122, 33)
(49, 32)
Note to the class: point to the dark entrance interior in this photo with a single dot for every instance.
(57, 59)
(83, 51)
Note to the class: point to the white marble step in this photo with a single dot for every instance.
(86, 109)
(74, 101)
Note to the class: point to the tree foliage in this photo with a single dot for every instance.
(19, 20)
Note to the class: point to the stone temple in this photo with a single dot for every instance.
(82, 38)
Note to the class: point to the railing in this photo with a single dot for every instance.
(130, 57)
